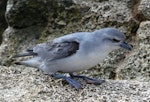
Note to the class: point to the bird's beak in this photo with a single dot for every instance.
(126, 46)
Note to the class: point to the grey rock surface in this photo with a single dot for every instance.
(25, 13)
(137, 66)
(3, 24)
(15, 40)
(27, 84)
(144, 8)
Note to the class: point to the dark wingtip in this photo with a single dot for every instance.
(17, 63)
(23, 54)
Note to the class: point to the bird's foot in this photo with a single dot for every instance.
(87, 79)
(71, 81)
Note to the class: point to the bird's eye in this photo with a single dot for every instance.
(116, 40)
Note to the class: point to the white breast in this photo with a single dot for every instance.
(78, 62)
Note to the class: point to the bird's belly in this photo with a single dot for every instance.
(78, 63)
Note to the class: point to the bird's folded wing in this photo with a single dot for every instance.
(56, 50)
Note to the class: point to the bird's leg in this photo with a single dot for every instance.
(87, 79)
(71, 81)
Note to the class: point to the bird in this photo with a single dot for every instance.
(73, 53)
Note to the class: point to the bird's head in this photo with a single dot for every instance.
(114, 39)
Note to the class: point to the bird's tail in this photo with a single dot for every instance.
(26, 53)
(34, 62)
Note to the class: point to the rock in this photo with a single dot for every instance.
(16, 40)
(25, 13)
(137, 66)
(144, 8)
(143, 33)
(3, 23)
(107, 13)
(28, 84)
(27, 20)
(61, 23)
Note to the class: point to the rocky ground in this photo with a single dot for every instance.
(24, 84)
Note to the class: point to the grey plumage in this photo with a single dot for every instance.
(75, 52)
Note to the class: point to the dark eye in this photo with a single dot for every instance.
(116, 40)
